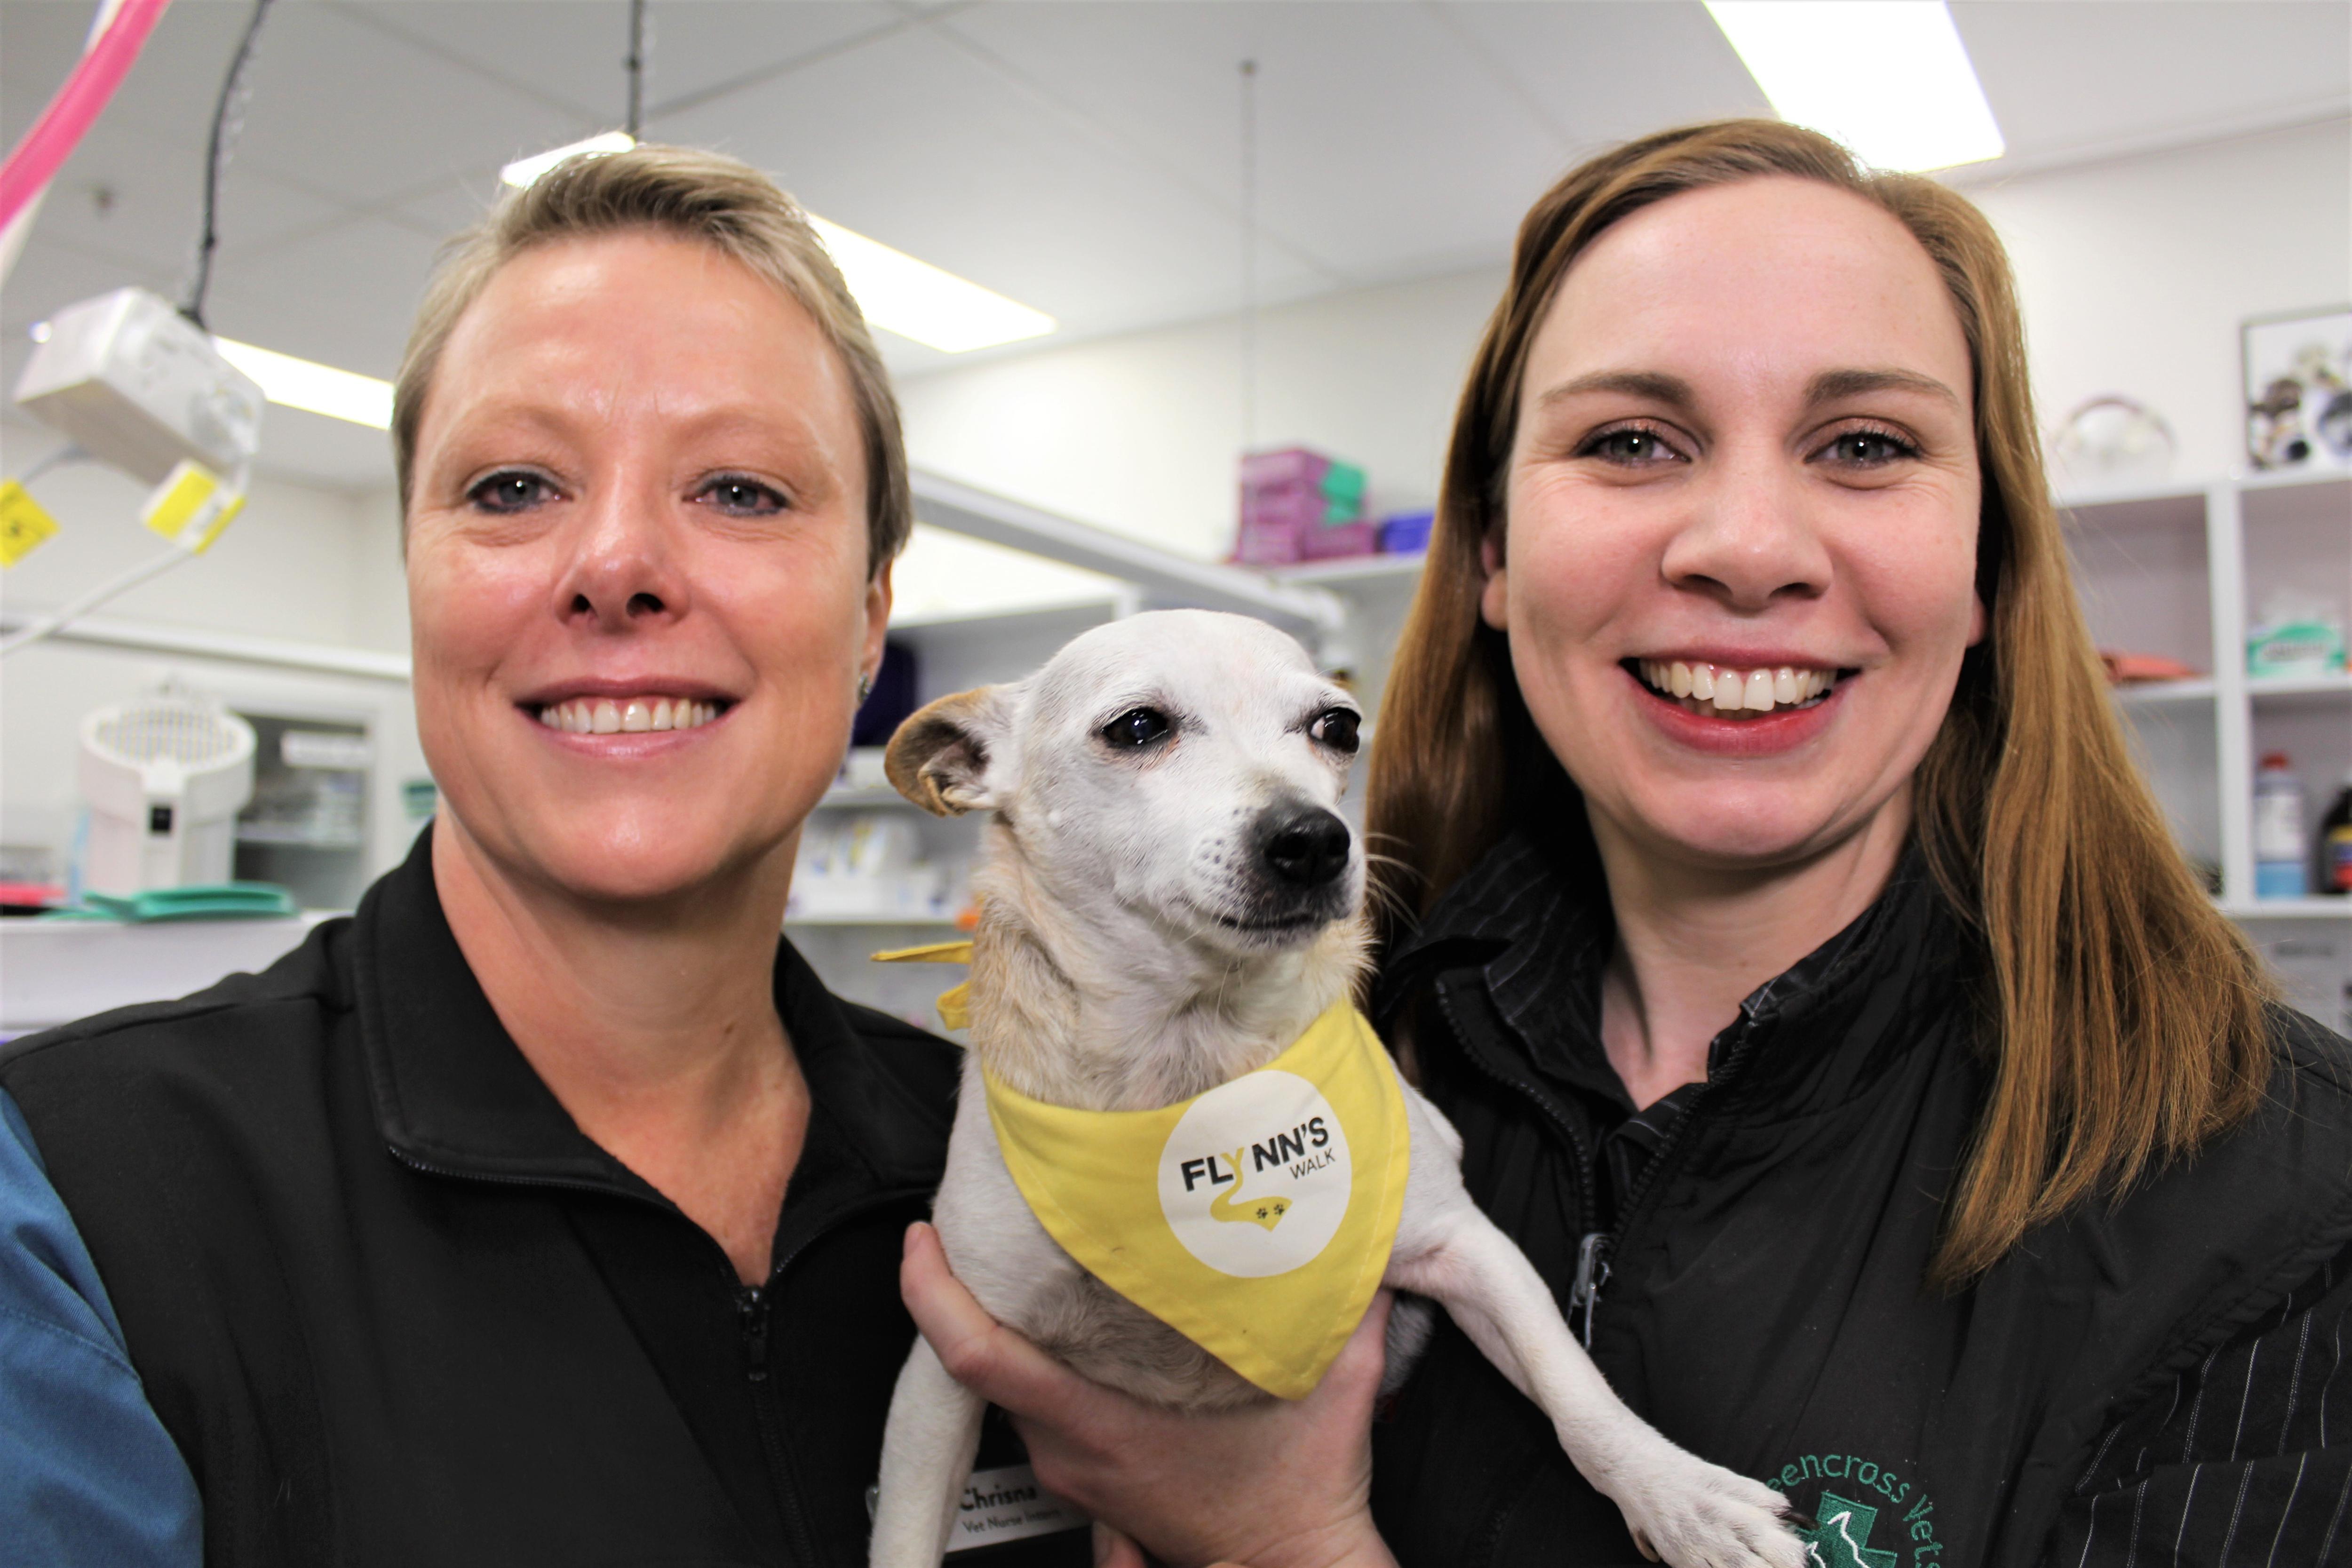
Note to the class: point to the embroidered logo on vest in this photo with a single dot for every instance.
(1888, 1523)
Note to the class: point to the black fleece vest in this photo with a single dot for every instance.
(396, 1310)
(1761, 1295)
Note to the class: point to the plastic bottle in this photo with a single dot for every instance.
(2280, 862)
(2335, 846)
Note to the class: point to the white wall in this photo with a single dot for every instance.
(301, 563)
(2135, 275)
(292, 564)
(1139, 433)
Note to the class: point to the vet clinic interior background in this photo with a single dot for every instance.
(1234, 228)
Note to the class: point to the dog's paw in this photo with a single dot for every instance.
(1691, 1514)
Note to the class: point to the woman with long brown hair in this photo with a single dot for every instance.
(1774, 905)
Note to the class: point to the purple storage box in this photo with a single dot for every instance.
(1291, 466)
(1339, 539)
(1407, 533)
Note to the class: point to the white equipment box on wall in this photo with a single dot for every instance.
(134, 382)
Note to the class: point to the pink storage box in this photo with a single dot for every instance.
(1266, 543)
(1285, 506)
(1291, 466)
(1339, 539)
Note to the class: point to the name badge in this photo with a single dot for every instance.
(1007, 1504)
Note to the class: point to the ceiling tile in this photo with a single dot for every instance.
(572, 50)
(49, 276)
(698, 50)
(130, 194)
(1382, 142)
(173, 86)
(2066, 75)
(344, 298)
(909, 140)
(1604, 72)
(341, 106)
(450, 205)
(38, 45)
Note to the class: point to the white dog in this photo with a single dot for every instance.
(1167, 901)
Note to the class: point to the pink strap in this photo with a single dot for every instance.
(36, 159)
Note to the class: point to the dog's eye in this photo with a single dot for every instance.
(1336, 728)
(1135, 727)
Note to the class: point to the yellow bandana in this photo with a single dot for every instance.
(1254, 1218)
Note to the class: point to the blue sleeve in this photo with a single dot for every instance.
(87, 1475)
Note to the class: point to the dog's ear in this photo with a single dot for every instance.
(939, 757)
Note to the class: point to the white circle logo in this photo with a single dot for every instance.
(1255, 1179)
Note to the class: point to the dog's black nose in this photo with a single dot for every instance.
(1304, 844)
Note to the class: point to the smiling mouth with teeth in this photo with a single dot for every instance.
(628, 715)
(1719, 691)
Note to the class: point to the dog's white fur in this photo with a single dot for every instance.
(1132, 952)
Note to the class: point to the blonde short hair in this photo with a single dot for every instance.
(707, 196)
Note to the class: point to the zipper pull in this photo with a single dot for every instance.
(752, 1318)
(1592, 1272)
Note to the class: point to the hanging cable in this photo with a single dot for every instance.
(637, 67)
(68, 453)
(1249, 255)
(228, 119)
(74, 609)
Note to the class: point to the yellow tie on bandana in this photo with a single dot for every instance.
(1256, 1220)
(954, 1002)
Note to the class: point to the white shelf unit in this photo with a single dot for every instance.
(2184, 571)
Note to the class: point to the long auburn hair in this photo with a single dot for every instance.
(2123, 1017)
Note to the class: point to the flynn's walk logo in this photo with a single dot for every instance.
(1254, 1219)
(1255, 1176)
(1869, 1516)
(1231, 1207)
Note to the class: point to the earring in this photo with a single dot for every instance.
(865, 687)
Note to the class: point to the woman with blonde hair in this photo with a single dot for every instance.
(549, 1209)
(1775, 907)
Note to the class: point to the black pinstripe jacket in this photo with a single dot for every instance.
(2156, 1381)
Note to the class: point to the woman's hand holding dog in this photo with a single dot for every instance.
(1277, 1484)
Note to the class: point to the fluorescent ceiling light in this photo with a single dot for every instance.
(523, 171)
(910, 298)
(917, 301)
(321, 388)
(1890, 79)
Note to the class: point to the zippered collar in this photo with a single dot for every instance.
(1538, 938)
(453, 1094)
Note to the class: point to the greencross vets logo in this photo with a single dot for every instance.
(1867, 1515)
(1843, 1539)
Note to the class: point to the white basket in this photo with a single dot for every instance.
(165, 777)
